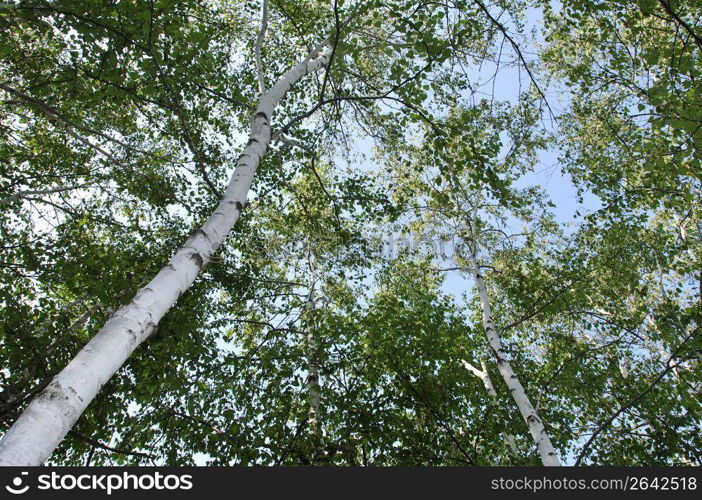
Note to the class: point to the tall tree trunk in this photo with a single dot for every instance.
(536, 426)
(534, 423)
(47, 419)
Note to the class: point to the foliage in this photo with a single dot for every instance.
(120, 123)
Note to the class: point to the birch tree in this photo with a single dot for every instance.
(54, 411)
(455, 203)
(536, 426)
(267, 152)
(632, 142)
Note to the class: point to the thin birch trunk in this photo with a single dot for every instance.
(49, 417)
(484, 376)
(652, 345)
(311, 348)
(536, 426)
(259, 44)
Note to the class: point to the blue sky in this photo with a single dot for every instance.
(548, 174)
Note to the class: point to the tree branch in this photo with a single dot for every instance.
(103, 446)
(666, 6)
(259, 43)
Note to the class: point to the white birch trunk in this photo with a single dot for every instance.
(47, 419)
(536, 426)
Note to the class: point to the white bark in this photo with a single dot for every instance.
(529, 413)
(536, 426)
(47, 419)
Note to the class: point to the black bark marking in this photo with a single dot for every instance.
(200, 231)
(151, 328)
(239, 206)
(75, 393)
(198, 259)
(261, 114)
(132, 336)
(53, 391)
